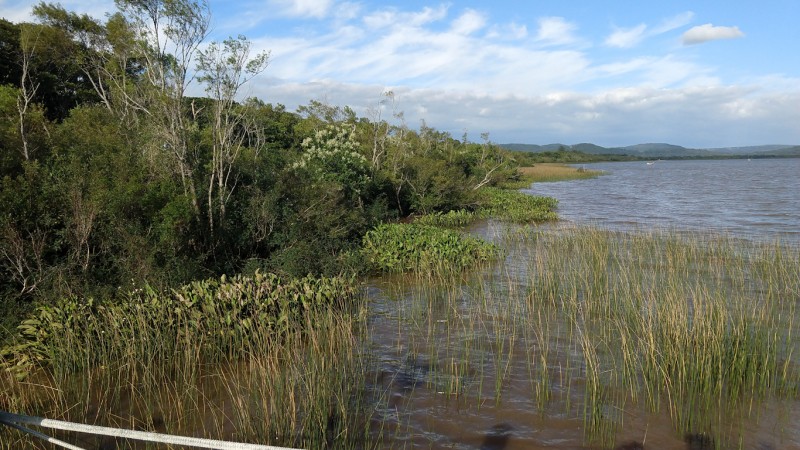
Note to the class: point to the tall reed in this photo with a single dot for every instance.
(248, 359)
(603, 324)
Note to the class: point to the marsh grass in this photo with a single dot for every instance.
(600, 325)
(516, 207)
(547, 172)
(589, 324)
(293, 380)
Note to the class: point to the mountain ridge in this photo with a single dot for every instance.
(661, 150)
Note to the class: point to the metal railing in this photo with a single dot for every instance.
(16, 421)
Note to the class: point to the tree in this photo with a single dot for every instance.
(225, 68)
(10, 53)
(167, 35)
(29, 37)
(97, 54)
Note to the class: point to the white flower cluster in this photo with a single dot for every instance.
(332, 153)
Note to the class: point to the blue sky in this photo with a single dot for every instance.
(691, 73)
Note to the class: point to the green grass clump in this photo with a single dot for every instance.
(423, 248)
(517, 207)
(450, 219)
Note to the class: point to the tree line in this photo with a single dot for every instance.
(112, 176)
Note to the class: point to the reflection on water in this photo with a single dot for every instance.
(757, 199)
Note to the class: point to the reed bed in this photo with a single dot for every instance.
(247, 359)
(600, 325)
(547, 172)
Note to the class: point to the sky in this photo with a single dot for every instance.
(701, 74)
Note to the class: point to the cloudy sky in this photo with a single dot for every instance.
(622, 72)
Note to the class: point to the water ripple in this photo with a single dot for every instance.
(758, 199)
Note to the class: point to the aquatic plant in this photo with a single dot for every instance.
(450, 219)
(257, 359)
(516, 207)
(547, 172)
(603, 325)
(423, 248)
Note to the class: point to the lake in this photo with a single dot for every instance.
(592, 337)
(757, 198)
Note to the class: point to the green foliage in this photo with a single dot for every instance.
(134, 183)
(218, 314)
(422, 248)
(450, 219)
(10, 55)
(331, 155)
(517, 207)
(524, 158)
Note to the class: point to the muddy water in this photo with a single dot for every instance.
(458, 366)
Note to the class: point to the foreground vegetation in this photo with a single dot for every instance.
(210, 360)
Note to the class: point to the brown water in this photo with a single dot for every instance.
(459, 368)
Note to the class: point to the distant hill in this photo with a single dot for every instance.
(752, 150)
(592, 149)
(785, 151)
(661, 150)
(533, 148)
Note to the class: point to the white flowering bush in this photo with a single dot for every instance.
(331, 155)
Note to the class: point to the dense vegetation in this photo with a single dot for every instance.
(562, 155)
(112, 177)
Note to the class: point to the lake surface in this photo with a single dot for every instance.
(757, 199)
(479, 363)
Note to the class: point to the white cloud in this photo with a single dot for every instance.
(347, 11)
(626, 37)
(694, 116)
(469, 22)
(302, 8)
(556, 31)
(672, 23)
(20, 10)
(518, 31)
(708, 32)
(631, 37)
(391, 17)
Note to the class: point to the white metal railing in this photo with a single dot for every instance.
(16, 421)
